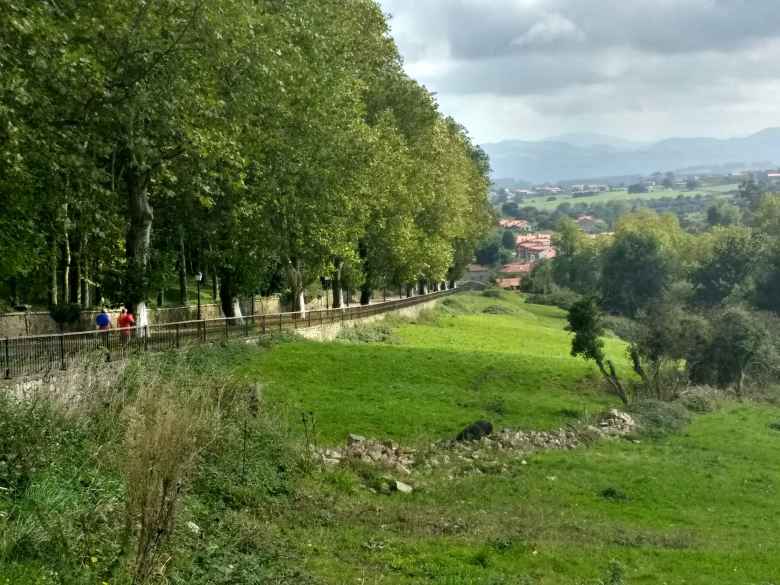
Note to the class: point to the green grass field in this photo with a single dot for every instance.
(696, 507)
(623, 195)
(700, 508)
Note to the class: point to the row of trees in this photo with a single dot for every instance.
(696, 307)
(695, 213)
(268, 144)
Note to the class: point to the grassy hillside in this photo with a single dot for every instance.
(698, 506)
(623, 195)
(438, 375)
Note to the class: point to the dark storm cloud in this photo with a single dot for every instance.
(668, 60)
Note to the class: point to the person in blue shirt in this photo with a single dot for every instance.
(103, 320)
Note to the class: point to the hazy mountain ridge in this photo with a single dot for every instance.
(594, 155)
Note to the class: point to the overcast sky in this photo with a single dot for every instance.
(638, 69)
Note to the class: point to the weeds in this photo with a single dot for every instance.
(658, 419)
(379, 332)
(168, 426)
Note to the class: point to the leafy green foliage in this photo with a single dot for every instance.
(256, 142)
(587, 326)
(733, 260)
(636, 271)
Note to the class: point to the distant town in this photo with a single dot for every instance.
(523, 235)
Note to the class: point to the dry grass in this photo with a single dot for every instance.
(167, 426)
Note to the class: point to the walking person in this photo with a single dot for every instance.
(126, 322)
(103, 320)
(103, 324)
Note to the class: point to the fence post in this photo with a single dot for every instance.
(262, 323)
(146, 338)
(177, 336)
(62, 352)
(7, 360)
(227, 328)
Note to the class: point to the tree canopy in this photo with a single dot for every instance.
(266, 144)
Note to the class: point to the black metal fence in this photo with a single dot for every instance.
(39, 354)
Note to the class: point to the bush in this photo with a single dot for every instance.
(66, 314)
(381, 332)
(498, 310)
(277, 338)
(658, 419)
(495, 293)
(623, 327)
(700, 399)
(561, 297)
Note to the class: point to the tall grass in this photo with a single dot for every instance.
(96, 465)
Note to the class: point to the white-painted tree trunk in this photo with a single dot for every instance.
(239, 316)
(302, 304)
(142, 319)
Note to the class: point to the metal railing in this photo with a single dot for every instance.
(40, 354)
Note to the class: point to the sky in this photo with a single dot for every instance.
(636, 69)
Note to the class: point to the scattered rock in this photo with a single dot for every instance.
(476, 446)
(475, 431)
(402, 487)
(617, 423)
(355, 439)
(194, 528)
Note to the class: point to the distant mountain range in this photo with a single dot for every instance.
(588, 156)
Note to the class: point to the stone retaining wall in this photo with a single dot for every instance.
(329, 331)
(41, 323)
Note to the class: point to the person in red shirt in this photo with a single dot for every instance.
(125, 322)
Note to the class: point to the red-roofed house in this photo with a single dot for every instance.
(477, 273)
(589, 224)
(514, 224)
(517, 268)
(509, 283)
(535, 250)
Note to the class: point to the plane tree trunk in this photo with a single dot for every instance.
(138, 244)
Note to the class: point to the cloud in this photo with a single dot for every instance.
(553, 28)
(662, 66)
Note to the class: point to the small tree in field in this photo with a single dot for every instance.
(585, 322)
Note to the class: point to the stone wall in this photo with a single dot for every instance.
(41, 323)
(329, 331)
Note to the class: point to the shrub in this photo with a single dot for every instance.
(65, 314)
(623, 327)
(560, 297)
(701, 399)
(497, 293)
(278, 338)
(658, 419)
(27, 436)
(380, 332)
(498, 310)
(615, 574)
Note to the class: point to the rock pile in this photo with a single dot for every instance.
(386, 454)
(484, 446)
(617, 424)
